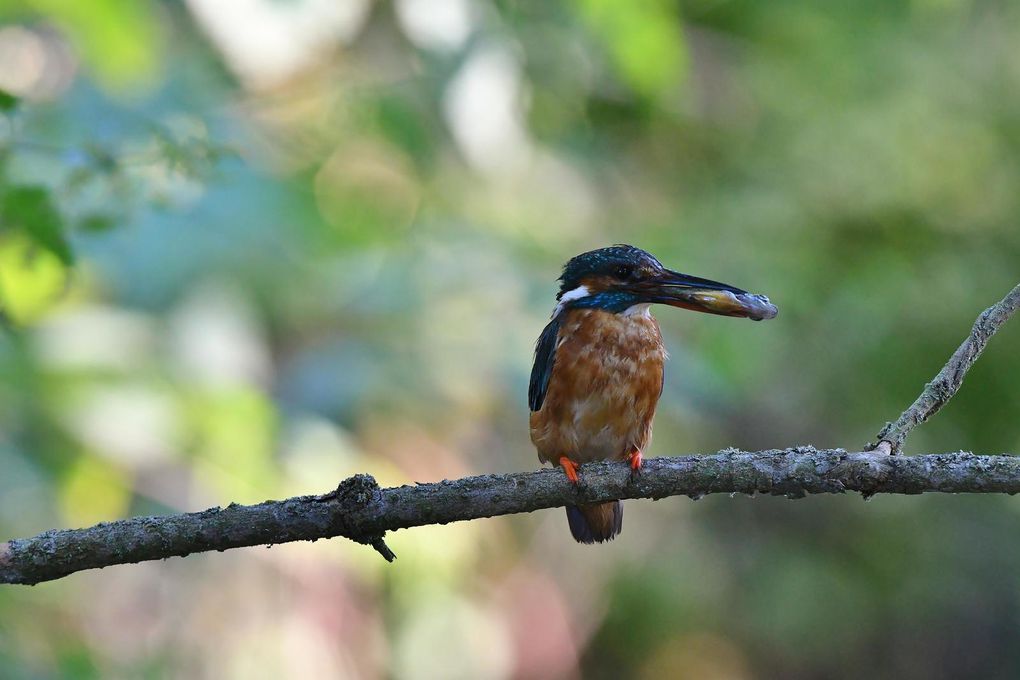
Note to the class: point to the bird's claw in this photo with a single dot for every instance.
(635, 459)
(570, 468)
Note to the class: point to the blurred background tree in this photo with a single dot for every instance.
(248, 248)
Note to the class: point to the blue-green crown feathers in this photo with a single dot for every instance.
(604, 262)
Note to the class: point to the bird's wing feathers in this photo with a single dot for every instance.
(545, 355)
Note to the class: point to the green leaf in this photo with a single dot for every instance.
(8, 102)
(32, 280)
(31, 209)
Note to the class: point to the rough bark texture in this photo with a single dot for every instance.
(361, 511)
(942, 388)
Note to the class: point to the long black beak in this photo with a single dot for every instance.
(702, 295)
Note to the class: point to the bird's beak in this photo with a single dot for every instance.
(701, 295)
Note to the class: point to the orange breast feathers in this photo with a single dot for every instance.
(605, 383)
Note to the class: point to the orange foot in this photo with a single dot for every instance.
(635, 459)
(570, 467)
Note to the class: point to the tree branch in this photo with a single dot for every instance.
(942, 388)
(361, 511)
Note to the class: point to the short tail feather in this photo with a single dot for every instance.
(595, 523)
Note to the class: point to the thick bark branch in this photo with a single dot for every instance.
(361, 511)
(942, 388)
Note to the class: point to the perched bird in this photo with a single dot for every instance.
(599, 364)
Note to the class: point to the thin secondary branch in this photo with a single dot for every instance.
(942, 388)
(361, 511)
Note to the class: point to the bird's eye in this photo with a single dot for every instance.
(624, 271)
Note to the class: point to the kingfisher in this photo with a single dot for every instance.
(598, 371)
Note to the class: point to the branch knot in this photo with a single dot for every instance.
(356, 492)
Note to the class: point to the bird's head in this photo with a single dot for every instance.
(622, 277)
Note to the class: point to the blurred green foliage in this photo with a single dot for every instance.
(119, 41)
(31, 210)
(244, 255)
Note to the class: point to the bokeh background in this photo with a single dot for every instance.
(250, 247)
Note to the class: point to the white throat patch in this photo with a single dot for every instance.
(576, 294)
(642, 309)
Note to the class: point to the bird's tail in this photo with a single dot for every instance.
(595, 523)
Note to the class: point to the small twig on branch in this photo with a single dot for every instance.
(359, 510)
(942, 388)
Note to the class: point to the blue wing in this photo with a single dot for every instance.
(545, 355)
